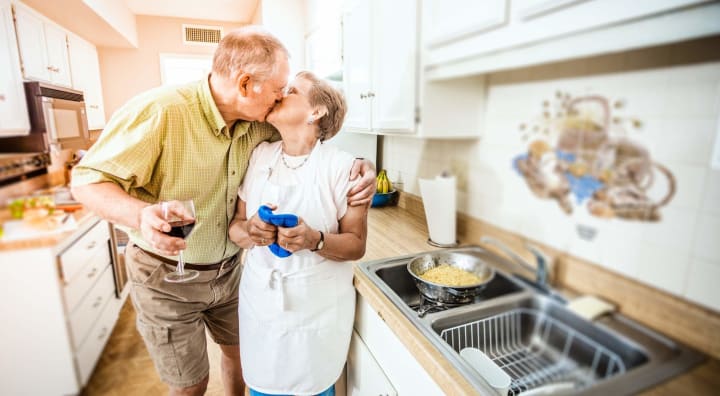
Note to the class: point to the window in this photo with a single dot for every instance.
(182, 68)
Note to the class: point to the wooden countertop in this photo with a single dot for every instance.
(394, 231)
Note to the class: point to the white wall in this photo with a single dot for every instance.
(285, 20)
(678, 101)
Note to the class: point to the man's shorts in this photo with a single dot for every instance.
(172, 317)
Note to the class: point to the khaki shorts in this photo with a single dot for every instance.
(172, 317)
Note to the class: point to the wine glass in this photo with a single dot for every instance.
(181, 217)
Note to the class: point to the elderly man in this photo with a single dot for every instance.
(190, 142)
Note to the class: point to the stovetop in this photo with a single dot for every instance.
(396, 276)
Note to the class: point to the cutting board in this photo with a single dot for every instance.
(15, 230)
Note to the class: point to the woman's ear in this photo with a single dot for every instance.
(319, 112)
(244, 84)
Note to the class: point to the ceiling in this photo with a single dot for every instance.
(239, 11)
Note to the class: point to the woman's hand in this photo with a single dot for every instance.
(297, 238)
(260, 232)
(364, 190)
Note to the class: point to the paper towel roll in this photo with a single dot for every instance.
(438, 197)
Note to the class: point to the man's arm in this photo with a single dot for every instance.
(364, 190)
(113, 204)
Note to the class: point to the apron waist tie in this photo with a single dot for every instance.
(277, 283)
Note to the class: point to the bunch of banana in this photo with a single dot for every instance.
(384, 185)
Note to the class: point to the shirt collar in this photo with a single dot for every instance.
(212, 114)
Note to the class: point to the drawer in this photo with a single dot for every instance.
(86, 278)
(90, 307)
(89, 352)
(76, 256)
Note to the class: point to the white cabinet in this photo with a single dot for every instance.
(85, 70)
(380, 65)
(445, 21)
(364, 374)
(59, 305)
(43, 47)
(13, 108)
(386, 90)
(501, 34)
(383, 365)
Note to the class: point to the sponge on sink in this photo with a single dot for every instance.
(590, 307)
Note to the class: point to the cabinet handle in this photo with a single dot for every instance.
(92, 273)
(371, 94)
(56, 69)
(94, 106)
(98, 302)
(91, 245)
(363, 96)
(50, 68)
(2, 97)
(103, 333)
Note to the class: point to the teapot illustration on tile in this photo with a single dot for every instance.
(576, 155)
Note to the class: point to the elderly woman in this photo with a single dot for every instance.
(296, 312)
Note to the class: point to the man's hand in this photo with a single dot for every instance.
(363, 192)
(153, 228)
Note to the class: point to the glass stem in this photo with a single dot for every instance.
(181, 264)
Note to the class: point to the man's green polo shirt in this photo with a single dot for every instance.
(172, 143)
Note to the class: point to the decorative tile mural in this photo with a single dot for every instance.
(581, 154)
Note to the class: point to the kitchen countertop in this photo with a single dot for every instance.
(394, 231)
(84, 219)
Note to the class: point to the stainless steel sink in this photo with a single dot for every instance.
(533, 336)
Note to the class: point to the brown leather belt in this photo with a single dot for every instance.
(199, 267)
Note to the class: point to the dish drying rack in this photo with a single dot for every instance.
(535, 349)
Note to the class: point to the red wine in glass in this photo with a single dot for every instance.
(181, 228)
(180, 215)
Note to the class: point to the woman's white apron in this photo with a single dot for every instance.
(296, 313)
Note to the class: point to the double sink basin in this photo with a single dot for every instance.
(545, 347)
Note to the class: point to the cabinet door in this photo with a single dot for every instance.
(13, 109)
(356, 64)
(57, 54)
(85, 71)
(395, 62)
(443, 21)
(31, 42)
(364, 374)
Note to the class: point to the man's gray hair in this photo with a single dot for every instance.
(251, 50)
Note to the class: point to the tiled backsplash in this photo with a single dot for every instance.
(673, 90)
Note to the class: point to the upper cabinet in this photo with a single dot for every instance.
(43, 48)
(13, 108)
(501, 34)
(85, 70)
(385, 88)
(380, 65)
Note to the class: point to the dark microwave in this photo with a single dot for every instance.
(57, 120)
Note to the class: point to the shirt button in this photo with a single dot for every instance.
(231, 200)
(219, 225)
(232, 173)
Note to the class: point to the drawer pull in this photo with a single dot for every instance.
(98, 302)
(91, 245)
(92, 273)
(103, 333)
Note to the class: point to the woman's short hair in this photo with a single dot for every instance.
(321, 93)
(249, 49)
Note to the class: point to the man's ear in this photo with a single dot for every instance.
(244, 84)
(319, 112)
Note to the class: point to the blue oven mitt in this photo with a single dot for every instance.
(280, 220)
